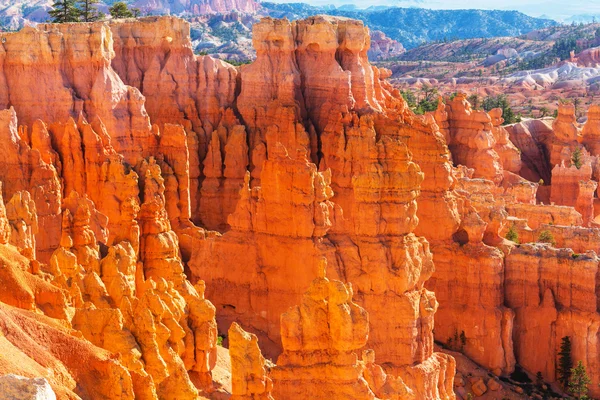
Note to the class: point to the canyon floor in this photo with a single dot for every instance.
(173, 226)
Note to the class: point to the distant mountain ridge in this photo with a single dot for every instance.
(414, 26)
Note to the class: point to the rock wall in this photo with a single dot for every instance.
(298, 113)
(141, 168)
(129, 142)
(521, 295)
(553, 293)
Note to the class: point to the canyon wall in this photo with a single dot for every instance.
(517, 301)
(152, 198)
(137, 168)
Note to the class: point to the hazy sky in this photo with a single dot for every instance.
(558, 9)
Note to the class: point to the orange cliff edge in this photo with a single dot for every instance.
(153, 198)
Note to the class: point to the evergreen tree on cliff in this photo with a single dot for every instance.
(120, 10)
(88, 10)
(64, 11)
(578, 384)
(565, 362)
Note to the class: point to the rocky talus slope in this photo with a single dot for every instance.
(152, 198)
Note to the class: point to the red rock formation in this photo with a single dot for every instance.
(155, 55)
(328, 328)
(510, 155)
(248, 373)
(380, 256)
(23, 221)
(526, 136)
(589, 57)
(473, 138)
(566, 134)
(572, 186)
(261, 237)
(31, 167)
(553, 295)
(74, 66)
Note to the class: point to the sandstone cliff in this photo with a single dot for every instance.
(132, 168)
(130, 140)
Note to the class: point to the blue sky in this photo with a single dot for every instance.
(557, 9)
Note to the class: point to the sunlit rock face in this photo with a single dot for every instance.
(151, 198)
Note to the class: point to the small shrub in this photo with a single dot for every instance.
(546, 237)
(220, 339)
(512, 235)
(237, 63)
(539, 380)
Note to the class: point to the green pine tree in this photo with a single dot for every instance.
(64, 11)
(565, 362)
(576, 158)
(579, 381)
(88, 10)
(120, 10)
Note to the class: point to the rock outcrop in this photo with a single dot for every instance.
(328, 328)
(383, 47)
(552, 293)
(249, 375)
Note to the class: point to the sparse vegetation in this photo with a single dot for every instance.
(457, 342)
(576, 158)
(88, 10)
(425, 100)
(563, 47)
(501, 101)
(237, 63)
(475, 101)
(539, 380)
(546, 236)
(512, 235)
